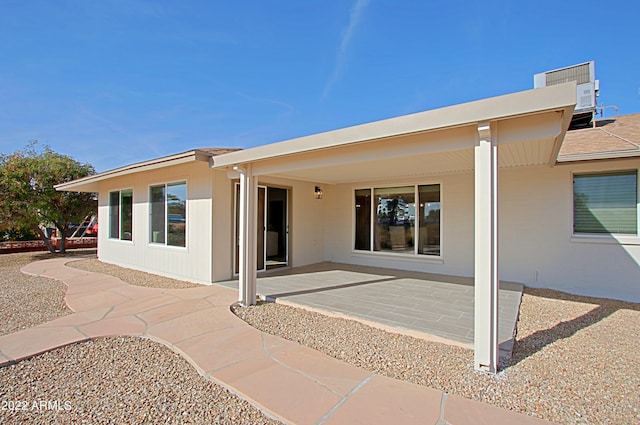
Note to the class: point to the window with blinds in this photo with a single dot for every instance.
(606, 203)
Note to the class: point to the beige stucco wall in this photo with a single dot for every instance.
(192, 263)
(209, 255)
(537, 245)
(535, 233)
(222, 228)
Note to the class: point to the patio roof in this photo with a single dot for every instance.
(529, 125)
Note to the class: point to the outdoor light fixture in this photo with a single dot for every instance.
(239, 169)
(318, 192)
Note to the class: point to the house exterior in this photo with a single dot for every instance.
(492, 188)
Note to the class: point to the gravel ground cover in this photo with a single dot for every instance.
(133, 277)
(27, 301)
(576, 359)
(123, 380)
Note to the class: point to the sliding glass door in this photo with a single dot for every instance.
(272, 238)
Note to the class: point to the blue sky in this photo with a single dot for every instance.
(112, 82)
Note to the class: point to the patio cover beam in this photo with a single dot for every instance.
(247, 237)
(486, 347)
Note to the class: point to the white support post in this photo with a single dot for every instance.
(486, 346)
(247, 237)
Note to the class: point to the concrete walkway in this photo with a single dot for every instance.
(290, 382)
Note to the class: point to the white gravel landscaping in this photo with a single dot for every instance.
(133, 277)
(576, 361)
(27, 301)
(124, 380)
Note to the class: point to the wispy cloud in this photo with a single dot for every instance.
(287, 109)
(347, 34)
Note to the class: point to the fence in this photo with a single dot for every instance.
(38, 245)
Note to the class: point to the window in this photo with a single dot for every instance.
(429, 219)
(606, 203)
(363, 219)
(168, 214)
(395, 219)
(395, 211)
(121, 215)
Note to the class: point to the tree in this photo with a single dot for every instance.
(29, 198)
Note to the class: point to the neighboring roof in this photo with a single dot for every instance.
(88, 184)
(523, 103)
(612, 138)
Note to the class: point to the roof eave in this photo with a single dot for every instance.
(559, 97)
(579, 157)
(557, 144)
(89, 184)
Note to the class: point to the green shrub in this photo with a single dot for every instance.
(20, 234)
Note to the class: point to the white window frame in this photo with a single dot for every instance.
(165, 244)
(119, 238)
(600, 238)
(373, 212)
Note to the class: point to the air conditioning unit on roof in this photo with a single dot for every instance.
(583, 74)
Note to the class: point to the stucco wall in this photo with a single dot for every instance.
(191, 263)
(222, 228)
(536, 243)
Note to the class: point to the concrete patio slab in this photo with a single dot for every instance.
(288, 381)
(437, 307)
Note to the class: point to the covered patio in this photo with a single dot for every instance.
(430, 306)
(475, 139)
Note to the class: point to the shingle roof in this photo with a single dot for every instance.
(218, 151)
(612, 138)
